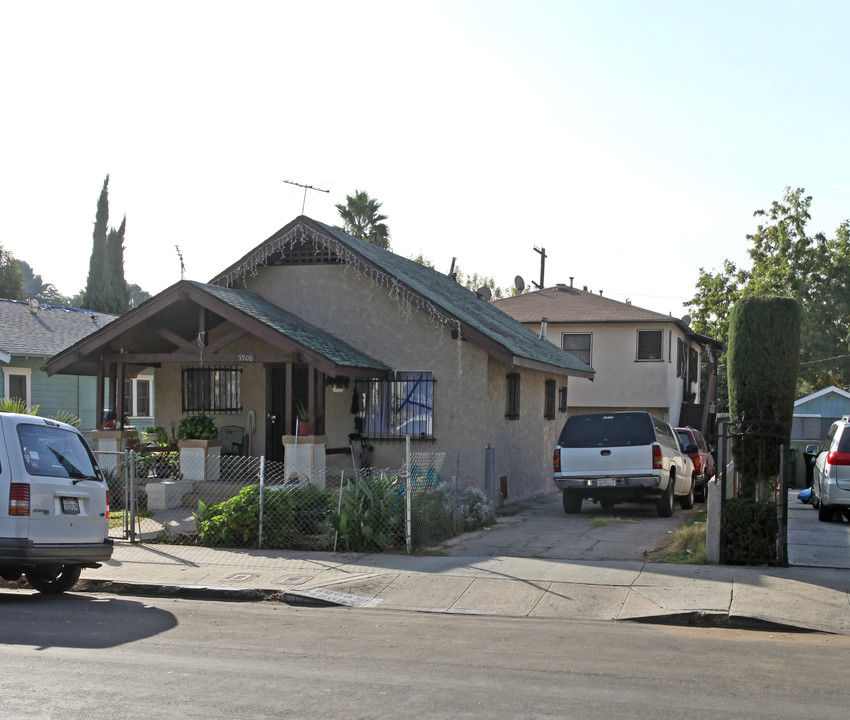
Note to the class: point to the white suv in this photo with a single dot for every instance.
(831, 477)
(54, 505)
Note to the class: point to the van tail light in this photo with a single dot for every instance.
(697, 464)
(656, 456)
(838, 458)
(19, 500)
(557, 460)
(107, 504)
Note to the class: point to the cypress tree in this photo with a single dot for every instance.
(106, 289)
(763, 359)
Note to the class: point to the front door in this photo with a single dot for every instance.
(276, 415)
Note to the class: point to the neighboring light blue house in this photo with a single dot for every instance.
(814, 413)
(30, 334)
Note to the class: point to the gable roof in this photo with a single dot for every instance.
(567, 304)
(419, 286)
(45, 330)
(832, 389)
(165, 329)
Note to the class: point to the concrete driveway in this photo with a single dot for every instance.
(813, 543)
(539, 528)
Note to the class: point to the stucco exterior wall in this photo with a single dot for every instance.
(469, 390)
(622, 381)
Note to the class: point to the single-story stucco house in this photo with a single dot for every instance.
(361, 341)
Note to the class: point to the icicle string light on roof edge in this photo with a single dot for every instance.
(301, 235)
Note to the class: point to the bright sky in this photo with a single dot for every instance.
(631, 139)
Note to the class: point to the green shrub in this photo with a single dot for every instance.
(762, 362)
(288, 515)
(749, 532)
(371, 515)
(196, 427)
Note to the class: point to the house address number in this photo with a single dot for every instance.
(246, 358)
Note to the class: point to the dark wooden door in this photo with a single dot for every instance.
(276, 416)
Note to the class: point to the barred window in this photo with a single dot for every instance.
(212, 389)
(562, 399)
(512, 400)
(392, 409)
(549, 400)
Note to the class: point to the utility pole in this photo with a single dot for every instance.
(542, 252)
(306, 188)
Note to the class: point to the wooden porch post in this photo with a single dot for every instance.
(100, 388)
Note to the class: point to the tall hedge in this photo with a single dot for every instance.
(763, 358)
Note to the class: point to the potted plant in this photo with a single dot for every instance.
(200, 448)
(303, 419)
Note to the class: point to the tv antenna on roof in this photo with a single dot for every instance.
(182, 266)
(306, 188)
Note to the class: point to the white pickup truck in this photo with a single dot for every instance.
(622, 457)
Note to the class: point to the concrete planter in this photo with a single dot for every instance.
(200, 459)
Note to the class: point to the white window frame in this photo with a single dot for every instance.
(132, 411)
(27, 373)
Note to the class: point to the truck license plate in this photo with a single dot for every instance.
(606, 483)
(70, 506)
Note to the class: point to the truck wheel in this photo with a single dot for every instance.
(54, 579)
(665, 502)
(572, 502)
(825, 513)
(686, 502)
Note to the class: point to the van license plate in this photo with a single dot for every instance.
(606, 483)
(70, 506)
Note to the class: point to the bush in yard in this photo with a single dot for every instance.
(288, 513)
(762, 362)
(749, 532)
(371, 515)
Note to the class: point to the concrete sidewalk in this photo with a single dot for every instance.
(811, 599)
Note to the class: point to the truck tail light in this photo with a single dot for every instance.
(19, 500)
(107, 504)
(656, 456)
(557, 460)
(697, 464)
(838, 458)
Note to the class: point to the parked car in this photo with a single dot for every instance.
(622, 457)
(702, 459)
(831, 476)
(54, 503)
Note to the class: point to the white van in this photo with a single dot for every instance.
(54, 504)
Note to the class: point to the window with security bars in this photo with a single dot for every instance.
(549, 400)
(562, 399)
(393, 409)
(212, 389)
(512, 399)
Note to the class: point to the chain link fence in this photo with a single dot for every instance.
(250, 502)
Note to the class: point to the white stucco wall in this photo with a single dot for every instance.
(622, 382)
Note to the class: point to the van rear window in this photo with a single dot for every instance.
(54, 452)
(607, 430)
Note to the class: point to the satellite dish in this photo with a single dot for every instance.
(484, 293)
(687, 320)
(519, 283)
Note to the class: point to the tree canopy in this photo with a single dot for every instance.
(788, 262)
(11, 280)
(361, 218)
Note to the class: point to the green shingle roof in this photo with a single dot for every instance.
(302, 332)
(464, 305)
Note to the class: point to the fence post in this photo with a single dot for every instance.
(130, 489)
(407, 495)
(262, 487)
(490, 474)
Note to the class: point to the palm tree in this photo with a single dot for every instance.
(361, 218)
